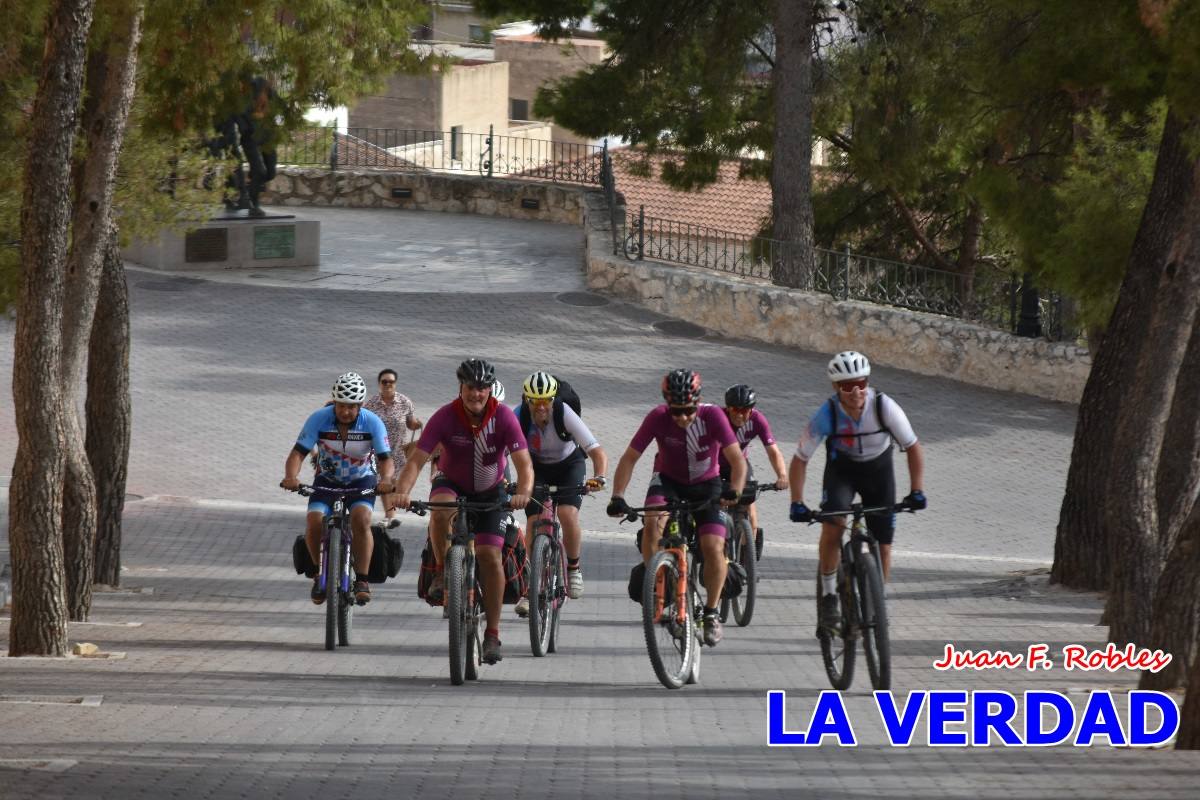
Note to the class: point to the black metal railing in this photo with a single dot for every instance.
(488, 154)
(988, 296)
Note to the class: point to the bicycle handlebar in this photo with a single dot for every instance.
(676, 505)
(421, 507)
(857, 510)
(307, 490)
(752, 490)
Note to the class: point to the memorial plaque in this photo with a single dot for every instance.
(206, 244)
(275, 241)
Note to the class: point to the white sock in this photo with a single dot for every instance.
(829, 582)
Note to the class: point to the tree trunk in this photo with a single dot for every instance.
(1176, 625)
(1167, 250)
(1082, 557)
(1188, 737)
(109, 417)
(968, 253)
(39, 623)
(1179, 467)
(791, 161)
(110, 82)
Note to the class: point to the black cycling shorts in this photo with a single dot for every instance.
(566, 473)
(663, 488)
(727, 470)
(488, 526)
(874, 481)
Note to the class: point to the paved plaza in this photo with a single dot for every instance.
(225, 689)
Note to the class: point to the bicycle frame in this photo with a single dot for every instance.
(548, 518)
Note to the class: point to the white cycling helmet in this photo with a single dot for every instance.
(349, 388)
(498, 391)
(847, 366)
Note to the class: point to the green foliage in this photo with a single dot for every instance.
(1046, 123)
(1100, 200)
(680, 78)
(196, 61)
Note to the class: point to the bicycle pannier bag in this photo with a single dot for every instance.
(386, 557)
(301, 560)
(428, 570)
(516, 565)
(637, 579)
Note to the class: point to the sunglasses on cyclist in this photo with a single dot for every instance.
(849, 386)
(740, 409)
(541, 402)
(387, 383)
(682, 411)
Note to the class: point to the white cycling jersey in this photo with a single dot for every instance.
(860, 440)
(545, 446)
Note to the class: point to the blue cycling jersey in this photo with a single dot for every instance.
(344, 458)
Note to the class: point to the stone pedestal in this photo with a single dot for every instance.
(234, 241)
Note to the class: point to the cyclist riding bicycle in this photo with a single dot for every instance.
(748, 423)
(858, 425)
(345, 436)
(690, 435)
(559, 462)
(476, 434)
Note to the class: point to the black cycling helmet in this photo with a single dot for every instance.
(476, 371)
(740, 396)
(681, 387)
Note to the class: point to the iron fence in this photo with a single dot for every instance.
(487, 154)
(989, 296)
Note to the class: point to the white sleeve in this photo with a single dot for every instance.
(578, 430)
(897, 422)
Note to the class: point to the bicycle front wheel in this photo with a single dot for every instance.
(345, 605)
(743, 553)
(837, 647)
(457, 590)
(333, 586)
(873, 613)
(669, 640)
(543, 572)
(474, 621)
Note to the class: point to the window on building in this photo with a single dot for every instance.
(518, 109)
(478, 34)
(456, 142)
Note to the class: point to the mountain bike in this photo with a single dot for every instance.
(739, 549)
(334, 563)
(863, 605)
(464, 593)
(672, 610)
(547, 569)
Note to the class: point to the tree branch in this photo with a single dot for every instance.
(910, 219)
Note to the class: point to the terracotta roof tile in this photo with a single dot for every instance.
(731, 204)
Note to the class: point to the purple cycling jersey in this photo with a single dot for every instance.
(686, 455)
(473, 458)
(756, 427)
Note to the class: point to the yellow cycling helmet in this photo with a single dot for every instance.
(540, 386)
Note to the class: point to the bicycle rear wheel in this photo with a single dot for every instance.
(837, 648)
(876, 644)
(333, 583)
(456, 602)
(743, 553)
(543, 572)
(669, 642)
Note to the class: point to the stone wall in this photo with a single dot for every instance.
(924, 343)
(431, 191)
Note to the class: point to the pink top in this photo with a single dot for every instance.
(686, 455)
